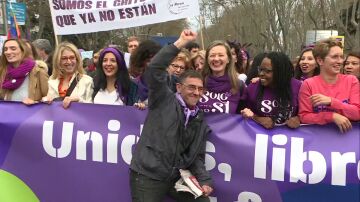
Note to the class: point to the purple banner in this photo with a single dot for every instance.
(83, 154)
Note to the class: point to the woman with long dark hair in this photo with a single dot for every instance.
(237, 56)
(274, 98)
(306, 66)
(112, 82)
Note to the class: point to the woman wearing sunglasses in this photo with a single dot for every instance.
(274, 98)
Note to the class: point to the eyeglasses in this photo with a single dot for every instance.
(132, 46)
(71, 58)
(175, 66)
(265, 70)
(192, 88)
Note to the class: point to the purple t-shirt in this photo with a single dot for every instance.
(221, 102)
(218, 97)
(268, 105)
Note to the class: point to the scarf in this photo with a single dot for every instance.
(187, 111)
(218, 84)
(15, 76)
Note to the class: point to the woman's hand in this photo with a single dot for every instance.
(247, 113)
(266, 122)
(342, 122)
(254, 80)
(67, 101)
(293, 122)
(47, 99)
(320, 99)
(140, 105)
(28, 101)
(207, 190)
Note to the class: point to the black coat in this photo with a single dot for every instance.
(166, 145)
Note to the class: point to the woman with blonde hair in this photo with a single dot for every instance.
(21, 79)
(198, 61)
(180, 63)
(223, 88)
(68, 82)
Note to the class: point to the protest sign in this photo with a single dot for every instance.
(78, 16)
(17, 9)
(87, 54)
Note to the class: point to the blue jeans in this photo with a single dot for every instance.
(145, 189)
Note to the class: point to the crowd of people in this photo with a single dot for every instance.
(321, 87)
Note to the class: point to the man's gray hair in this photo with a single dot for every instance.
(43, 44)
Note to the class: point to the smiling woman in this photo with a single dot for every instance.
(274, 98)
(112, 82)
(223, 88)
(306, 66)
(21, 79)
(330, 96)
(352, 64)
(68, 82)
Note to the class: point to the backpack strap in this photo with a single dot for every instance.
(72, 86)
(69, 90)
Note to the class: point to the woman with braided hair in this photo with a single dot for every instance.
(273, 99)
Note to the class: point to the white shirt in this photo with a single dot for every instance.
(107, 98)
(127, 59)
(22, 92)
(83, 89)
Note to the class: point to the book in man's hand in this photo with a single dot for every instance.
(188, 183)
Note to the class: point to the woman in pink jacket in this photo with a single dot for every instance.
(330, 96)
